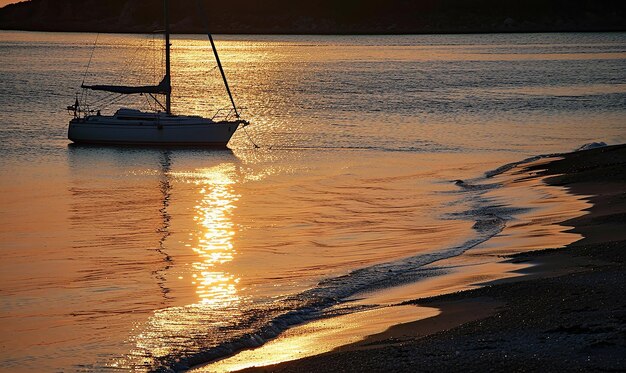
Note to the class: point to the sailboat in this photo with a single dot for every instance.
(162, 127)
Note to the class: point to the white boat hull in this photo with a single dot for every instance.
(173, 131)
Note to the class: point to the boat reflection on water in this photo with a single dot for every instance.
(173, 331)
(167, 220)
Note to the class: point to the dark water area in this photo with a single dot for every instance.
(134, 258)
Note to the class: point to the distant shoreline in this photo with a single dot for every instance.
(318, 17)
(324, 34)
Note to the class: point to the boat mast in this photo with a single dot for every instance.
(168, 78)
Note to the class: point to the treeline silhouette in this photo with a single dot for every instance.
(319, 16)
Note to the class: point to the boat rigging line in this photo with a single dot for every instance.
(202, 14)
(93, 49)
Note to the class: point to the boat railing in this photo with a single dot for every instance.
(225, 114)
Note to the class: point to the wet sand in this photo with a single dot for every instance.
(567, 313)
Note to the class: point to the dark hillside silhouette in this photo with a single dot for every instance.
(320, 16)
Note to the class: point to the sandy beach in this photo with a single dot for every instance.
(567, 313)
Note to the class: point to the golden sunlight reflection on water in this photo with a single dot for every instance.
(215, 246)
(169, 330)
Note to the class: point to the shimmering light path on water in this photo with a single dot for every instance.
(132, 258)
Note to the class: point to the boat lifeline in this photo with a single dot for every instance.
(161, 127)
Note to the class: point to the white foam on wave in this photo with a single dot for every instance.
(592, 145)
(509, 166)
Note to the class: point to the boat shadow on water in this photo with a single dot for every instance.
(86, 159)
(121, 148)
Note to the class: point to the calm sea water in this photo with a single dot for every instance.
(123, 258)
